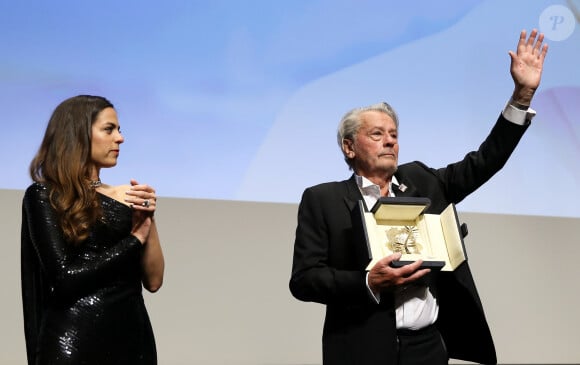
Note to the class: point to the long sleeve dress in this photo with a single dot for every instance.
(82, 304)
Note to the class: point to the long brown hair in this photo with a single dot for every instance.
(63, 163)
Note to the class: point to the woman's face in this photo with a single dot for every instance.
(106, 139)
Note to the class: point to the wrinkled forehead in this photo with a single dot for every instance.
(376, 119)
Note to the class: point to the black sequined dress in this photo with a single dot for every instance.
(82, 304)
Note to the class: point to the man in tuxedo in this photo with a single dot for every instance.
(406, 315)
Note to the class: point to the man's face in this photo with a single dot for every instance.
(375, 148)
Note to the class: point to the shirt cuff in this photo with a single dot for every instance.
(376, 298)
(518, 115)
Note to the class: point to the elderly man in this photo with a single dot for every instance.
(406, 315)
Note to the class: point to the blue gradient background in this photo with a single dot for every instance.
(240, 100)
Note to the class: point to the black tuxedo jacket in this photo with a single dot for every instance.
(330, 256)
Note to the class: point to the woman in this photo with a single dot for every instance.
(87, 247)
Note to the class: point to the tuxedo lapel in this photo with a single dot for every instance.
(404, 188)
(353, 194)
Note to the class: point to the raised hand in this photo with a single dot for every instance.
(526, 66)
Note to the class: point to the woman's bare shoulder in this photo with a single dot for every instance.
(116, 192)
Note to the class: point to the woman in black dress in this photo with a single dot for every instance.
(87, 248)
